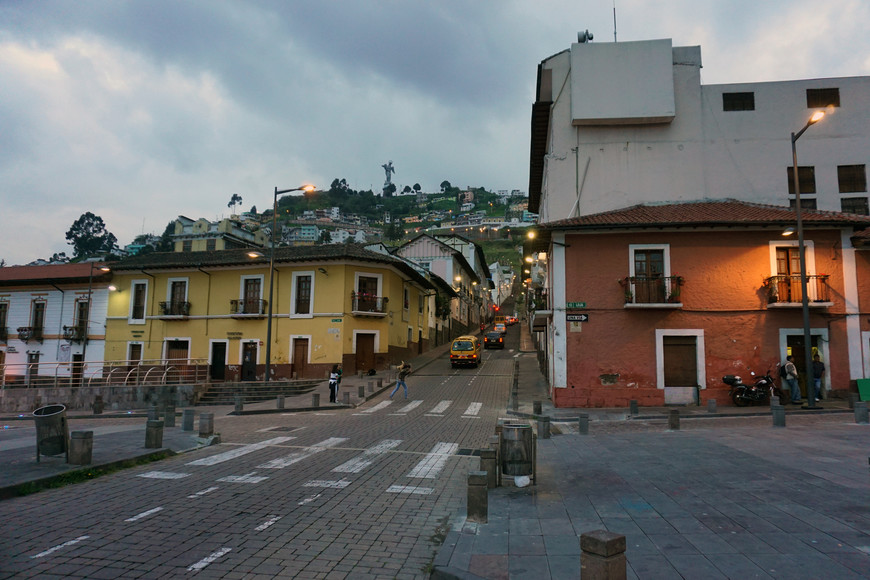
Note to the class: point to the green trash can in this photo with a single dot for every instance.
(52, 431)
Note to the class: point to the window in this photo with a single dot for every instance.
(856, 205)
(37, 316)
(406, 298)
(820, 98)
(649, 270)
(210, 244)
(302, 286)
(852, 178)
(81, 314)
(251, 294)
(138, 297)
(738, 101)
(4, 320)
(806, 177)
(420, 301)
(134, 352)
(806, 203)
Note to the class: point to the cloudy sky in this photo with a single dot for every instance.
(140, 111)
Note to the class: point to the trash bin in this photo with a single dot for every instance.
(52, 431)
(517, 449)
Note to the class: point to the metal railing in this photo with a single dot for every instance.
(174, 308)
(652, 290)
(255, 307)
(786, 289)
(104, 373)
(75, 333)
(368, 304)
(28, 333)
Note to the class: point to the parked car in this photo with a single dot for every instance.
(465, 351)
(493, 340)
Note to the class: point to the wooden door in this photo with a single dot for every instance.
(249, 361)
(367, 287)
(680, 361)
(252, 296)
(788, 270)
(365, 352)
(300, 357)
(649, 271)
(218, 368)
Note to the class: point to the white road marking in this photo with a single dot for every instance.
(208, 560)
(409, 407)
(473, 409)
(282, 462)
(410, 489)
(203, 492)
(376, 408)
(247, 478)
(163, 475)
(64, 545)
(340, 484)
(238, 452)
(441, 407)
(431, 465)
(309, 499)
(359, 463)
(144, 514)
(267, 523)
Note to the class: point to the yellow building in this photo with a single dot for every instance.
(331, 304)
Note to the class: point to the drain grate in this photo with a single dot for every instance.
(467, 451)
(284, 429)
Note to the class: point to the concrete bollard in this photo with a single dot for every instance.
(536, 407)
(153, 413)
(206, 424)
(853, 398)
(169, 416)
(361, 374)
(346, 398)
(602, 556)
(279, 402)
(488, 464)
(861, 412)
(674, 420)
(361, 392)
(632, 407)
(240, 402)
(778, 412)
(81, 447)
(153, 434)
(544, 427)
(187, 418)
(380, 384)
(315, 400)
(583, 423)
(711, 405)
(371, 387)
(774, 400)
(98, 405)
(477, 504)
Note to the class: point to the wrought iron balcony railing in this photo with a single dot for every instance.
(652, 290)
(539, 299)
(174, 308)
(368, 304)
(786, 289)
(75, 333)
(28, 333)
(248, 307)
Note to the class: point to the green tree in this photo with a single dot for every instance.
(445, 185)
(417, 188)
(406, 190)
(88, 236)
(235, 200)
(325, 237)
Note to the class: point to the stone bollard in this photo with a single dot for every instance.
(853, 398)
(536, 407)
(81, 447)
(583, 423)
(187, 418)
(371, 387)
(240, 402)
(169, 416)
(544, 427)
(346, 398)
(361, 392)
(477, 504)
(380, 384)
(206, 424)
(153, 434)
(774, 400)
(488, 464)
(632, 407)
(98, 406)
(711, 405)
(602, 556)
(361, 374)
(861, 412)
(674, 420)
(279, 402)
(153, 413)
(778, 412)
(315, 400)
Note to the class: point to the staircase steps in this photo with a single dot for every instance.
(254, 392)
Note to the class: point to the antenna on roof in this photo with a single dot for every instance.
(614, 20)
(584, 36)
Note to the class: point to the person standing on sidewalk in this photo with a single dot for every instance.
(404, 370)
(818, 372)
(334, 379)
(791, 377)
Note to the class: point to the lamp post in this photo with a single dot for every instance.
(805, 303)
(306, 188)
(87, 324)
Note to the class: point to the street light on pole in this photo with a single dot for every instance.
(805, 304)
(307, 189)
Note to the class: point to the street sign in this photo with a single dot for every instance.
(578, 317)
(336, 320)
(576, 305)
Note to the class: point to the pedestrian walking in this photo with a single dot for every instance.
(404, 371)
(791, 377)
(818, 372)
(334, 379)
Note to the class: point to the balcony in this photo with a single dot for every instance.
(785, 290)
(4, 334)
(656, 291)
(248, 308)
(174, 309)
(28, 333)
(368, 305)
(75, 333)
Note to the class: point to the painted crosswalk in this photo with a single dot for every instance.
(298, 456)
(368, 457)
(240, 451)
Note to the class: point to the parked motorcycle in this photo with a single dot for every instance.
(762, 388)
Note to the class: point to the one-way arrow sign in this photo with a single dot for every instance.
(577, 317)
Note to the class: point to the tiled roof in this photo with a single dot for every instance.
(719, 213)
(60, 273)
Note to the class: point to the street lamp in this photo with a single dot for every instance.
(805, 304)
(87, 324)
(307, 189)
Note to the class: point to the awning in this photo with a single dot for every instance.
(540, 320)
